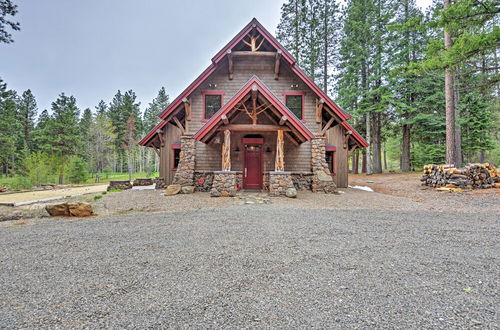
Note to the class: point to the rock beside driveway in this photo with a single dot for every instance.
(173, 189)
(77, 209)
(187, 189)
(291, 193)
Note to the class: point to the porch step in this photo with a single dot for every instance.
(254, 197)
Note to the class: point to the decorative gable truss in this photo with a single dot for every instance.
(255, 101)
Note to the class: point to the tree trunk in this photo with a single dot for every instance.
(368, 139)
(325, 53)
(450, 105)
(385, 158)
(458, 129)
(481, 156)
(363, 163)
(355, 165)
(377, 144)
(405, 154)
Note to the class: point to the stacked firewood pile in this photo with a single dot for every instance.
(472, 176)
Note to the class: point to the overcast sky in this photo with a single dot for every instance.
(92, 48)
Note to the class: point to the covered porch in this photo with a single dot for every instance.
(259, 141)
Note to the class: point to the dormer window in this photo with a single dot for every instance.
(295, 102)
(212, 102)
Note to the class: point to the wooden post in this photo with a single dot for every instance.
(230, 64)
(279, 164)
(277, 64)
(319, 110)
(226, 151)
(187, 108)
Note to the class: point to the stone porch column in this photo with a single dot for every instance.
(184, 175)
(321, 181)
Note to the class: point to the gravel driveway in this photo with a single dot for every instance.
(253, 266)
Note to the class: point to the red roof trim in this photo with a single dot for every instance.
(264, 90)
(148, 137)
(197, 82)
(355, 134)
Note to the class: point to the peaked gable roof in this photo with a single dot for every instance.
(254, 24)
(268, 94)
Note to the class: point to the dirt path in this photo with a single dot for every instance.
(26, 197)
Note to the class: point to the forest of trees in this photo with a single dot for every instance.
(71, 143)
(422, 87)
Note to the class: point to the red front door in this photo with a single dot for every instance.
(252, 172)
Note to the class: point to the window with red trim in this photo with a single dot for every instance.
(176, 155)
(212, 102)
(295, 102)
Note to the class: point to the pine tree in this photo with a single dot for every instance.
(101, 108)
(121, 108)
(9, 128)
(154, 108)
(7, 8)
(85, 122)
(61, 135)
(100, 142)
(129, 142)
(290, 29)
(27, 111)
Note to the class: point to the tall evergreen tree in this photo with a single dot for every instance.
(154, 108)
(27, 111)
(9, 128)
(7, 8)
(101, 108)
(62, 136)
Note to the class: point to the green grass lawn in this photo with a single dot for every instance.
(18, 182)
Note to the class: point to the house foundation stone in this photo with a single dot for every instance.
(224, 184)
(184, 175)
(279, 183)
(321, 179)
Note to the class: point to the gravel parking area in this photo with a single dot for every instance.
(253, 266)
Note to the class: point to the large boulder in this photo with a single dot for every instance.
(57, 210)
(173, 189)
(187, 189)
(215, 193)
(80, 209)
(323, 177)
(291, 193)
(77, 209)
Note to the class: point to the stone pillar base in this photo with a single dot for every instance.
(281, 184)
(322, 182)
(184, 175)
(224, 184)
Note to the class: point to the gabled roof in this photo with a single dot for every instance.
(269, 95)
(254, 24)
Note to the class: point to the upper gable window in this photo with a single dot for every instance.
(295, 102)
(212, 102)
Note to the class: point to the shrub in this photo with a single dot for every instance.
(97, 197)
(37, 169)
(77, 171)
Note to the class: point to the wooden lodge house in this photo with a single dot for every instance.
(254, 120)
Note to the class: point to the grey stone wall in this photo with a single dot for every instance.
(302, 181)
(184, 175)
(279, 182)
(224, 184)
